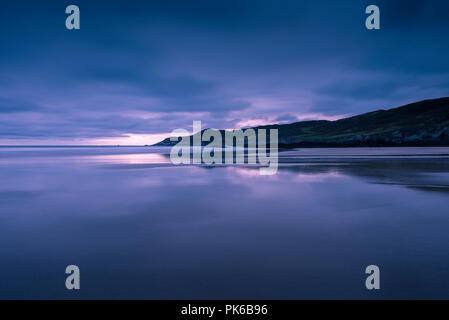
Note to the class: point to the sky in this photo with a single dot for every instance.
(136, 70)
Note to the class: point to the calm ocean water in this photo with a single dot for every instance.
(139, 227)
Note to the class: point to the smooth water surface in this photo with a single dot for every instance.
(139, 227)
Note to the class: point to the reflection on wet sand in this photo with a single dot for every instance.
(424, 169)
(218, 232)
(423, 174)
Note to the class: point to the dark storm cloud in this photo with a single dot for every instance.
(153, 66)
(415, 14)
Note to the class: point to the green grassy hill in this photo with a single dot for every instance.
(421, 123)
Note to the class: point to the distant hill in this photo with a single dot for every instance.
(424, 123)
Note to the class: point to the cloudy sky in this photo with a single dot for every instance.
(136, 70)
